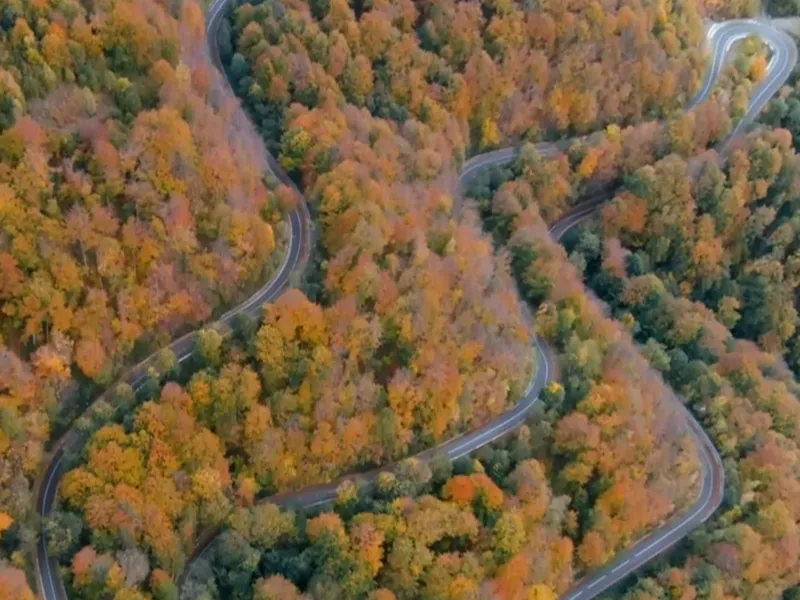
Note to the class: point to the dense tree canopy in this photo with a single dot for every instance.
(127, 205)
(477, 72)
(695, 259)
(725, 238)
(414, 331)
(492, 527)
(134, 204)
(623, 451)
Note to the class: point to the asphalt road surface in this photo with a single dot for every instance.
(720, 38)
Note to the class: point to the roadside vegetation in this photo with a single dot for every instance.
(135, 206)
(132, 208)
(695, 259)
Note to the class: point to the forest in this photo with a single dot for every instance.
(735, 234)
(402, 274)
(695, 259)
(475, 73)
(136, 206)
(133, 206)
(435, 531)
(610, 456)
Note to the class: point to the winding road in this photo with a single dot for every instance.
(720, 38)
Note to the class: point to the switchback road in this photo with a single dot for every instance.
(721, 38)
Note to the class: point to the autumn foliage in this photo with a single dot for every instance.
(696, 259)
(476, 72)
(147, 218)
(132, 206)
(624, 453)
(492, 530)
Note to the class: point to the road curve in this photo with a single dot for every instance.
(677, 527)
(721, 37)
(299, 221)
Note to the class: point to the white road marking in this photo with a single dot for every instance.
(596, 582)
(620, 566)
